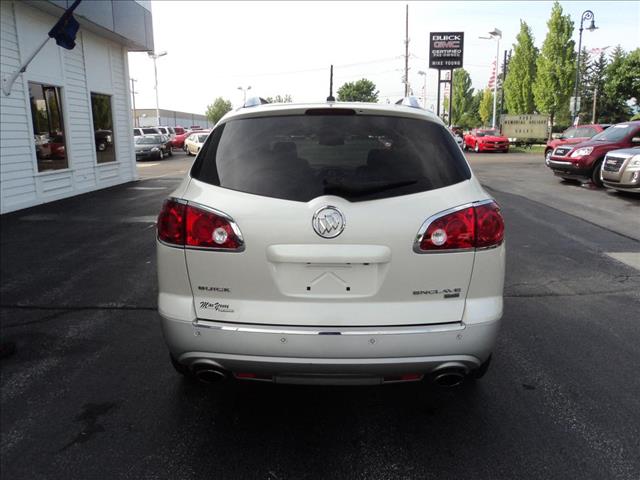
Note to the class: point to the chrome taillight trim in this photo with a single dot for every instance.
(228, 218)
(432, 218)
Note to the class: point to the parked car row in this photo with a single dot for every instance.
(610, 158)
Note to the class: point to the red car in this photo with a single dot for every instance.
(178, 140)
(574, 135)
(582, 161)
(486, 140)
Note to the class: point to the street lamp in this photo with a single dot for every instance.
(496, 35)
(586, 15)
(424, 88)
(244, 93)
(155, 56)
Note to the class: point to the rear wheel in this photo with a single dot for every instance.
(595, 174)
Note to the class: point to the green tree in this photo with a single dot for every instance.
(614, 107)
(622, 85)
(462, 98)
(585, 92)
(280, 99)
(555, 66)
(217, 109)
(485, 109)
(361, 91)
(518, 91)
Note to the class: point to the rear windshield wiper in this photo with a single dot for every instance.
(364, 189)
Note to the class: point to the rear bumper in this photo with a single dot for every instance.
(297, 353)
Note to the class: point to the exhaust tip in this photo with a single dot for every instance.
(450, 375)
(207, 373)
(449, 379)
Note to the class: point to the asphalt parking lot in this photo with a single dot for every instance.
(89, 391)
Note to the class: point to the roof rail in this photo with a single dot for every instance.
(409, 102)
(254, 102)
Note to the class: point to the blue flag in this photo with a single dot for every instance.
(65, 29)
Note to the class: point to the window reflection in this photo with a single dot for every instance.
(103, 127)
(48, 128)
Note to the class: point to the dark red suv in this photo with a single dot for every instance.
(574, 135)
(582, 161)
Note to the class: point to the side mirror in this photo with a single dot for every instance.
(635, 140)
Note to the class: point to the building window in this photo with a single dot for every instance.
(103, 127)
(48, 127)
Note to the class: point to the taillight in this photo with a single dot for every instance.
(171, 222)
(489, 225)
(476, 226)
(207, 229)
(184, 224)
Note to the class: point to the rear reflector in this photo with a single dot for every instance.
(477, 226)
(186, 225)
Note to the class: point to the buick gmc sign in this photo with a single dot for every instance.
(445, 50)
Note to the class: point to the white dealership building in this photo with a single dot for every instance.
(65, 127)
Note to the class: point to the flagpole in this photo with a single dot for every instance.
(8, 82)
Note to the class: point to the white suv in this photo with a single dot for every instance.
(336, 243)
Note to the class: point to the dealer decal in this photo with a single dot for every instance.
(217, 306)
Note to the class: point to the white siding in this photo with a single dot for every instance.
(17, 183)
(77, 75)
(80, 139)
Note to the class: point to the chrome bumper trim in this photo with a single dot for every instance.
(285, 330)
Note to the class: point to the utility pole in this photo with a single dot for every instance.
(406, 53)
(133, 93)
(595, 100)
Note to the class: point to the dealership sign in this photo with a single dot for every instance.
(445, 50)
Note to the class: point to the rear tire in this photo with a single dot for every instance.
(480, 372)
(595, 174)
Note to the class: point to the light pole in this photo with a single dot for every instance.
(424, 88)
(586, 15)
(244, 93)
(133, 93)
(156, 56)
(496, 35)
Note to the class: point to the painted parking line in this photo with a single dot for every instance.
(631, 259)
(145, 165)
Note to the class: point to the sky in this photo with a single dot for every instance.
(281, 48)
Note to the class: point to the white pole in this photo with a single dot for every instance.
(8, 82)
(155, 71)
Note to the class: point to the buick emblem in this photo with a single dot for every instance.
(328, 222)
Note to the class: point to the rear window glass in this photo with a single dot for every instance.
(357, 157)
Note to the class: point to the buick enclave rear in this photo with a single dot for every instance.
(338, 243)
